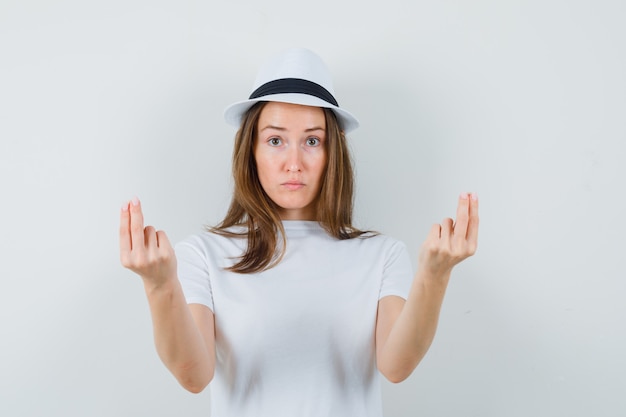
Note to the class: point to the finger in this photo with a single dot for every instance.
(125, 242)
(433, 239)
(434, 234)
(472, 228)
(150, 238)
(446, 230)
(462, 217)
(136, 224)
(162, 241)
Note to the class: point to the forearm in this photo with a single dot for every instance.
(406, 330)
(414, 329)
(178, 341)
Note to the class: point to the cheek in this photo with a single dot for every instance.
(266, 172)
(321, 165)
(262, 170)
(258, 163)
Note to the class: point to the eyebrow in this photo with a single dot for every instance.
(282, 129)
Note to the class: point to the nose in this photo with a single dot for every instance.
(294, 160)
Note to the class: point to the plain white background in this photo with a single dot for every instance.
(520, 101)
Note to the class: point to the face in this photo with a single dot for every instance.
(290, 155)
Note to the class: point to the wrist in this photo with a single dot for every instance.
(154, 287)
(428, 276)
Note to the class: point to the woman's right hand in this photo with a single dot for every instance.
(184, 335)
(145, 251)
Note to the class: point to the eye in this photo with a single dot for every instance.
(313, 141)
(275, 141)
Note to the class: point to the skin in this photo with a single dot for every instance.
(290, 156)
(290, 160)
(184, 334)
(405, 330)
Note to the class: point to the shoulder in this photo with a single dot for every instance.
(206, 242)
(380, 241)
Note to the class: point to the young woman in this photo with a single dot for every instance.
(286, 308)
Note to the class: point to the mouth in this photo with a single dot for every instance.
(293, 185)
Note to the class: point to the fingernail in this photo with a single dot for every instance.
(135, 201)
(464, 196)
(125, 206)
(474, 196)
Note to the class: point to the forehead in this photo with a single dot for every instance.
(291, 116)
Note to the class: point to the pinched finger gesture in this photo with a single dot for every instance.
(144, 250)
(451, 242)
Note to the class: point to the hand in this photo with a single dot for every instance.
(449, 243)
(145, 251)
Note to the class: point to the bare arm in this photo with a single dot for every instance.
(184, 334)
(405, 330)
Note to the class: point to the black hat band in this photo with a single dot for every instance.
(294, 85)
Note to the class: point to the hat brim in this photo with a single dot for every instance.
(234, 113)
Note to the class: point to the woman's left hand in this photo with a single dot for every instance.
(451, 242)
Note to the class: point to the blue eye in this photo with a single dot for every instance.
(313, 141)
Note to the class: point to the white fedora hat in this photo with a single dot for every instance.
(295, 76)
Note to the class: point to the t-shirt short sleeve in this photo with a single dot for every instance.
(397, 272)
(193, 273)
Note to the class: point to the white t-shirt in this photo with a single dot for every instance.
(297, 339)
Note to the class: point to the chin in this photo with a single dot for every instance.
(299, 212)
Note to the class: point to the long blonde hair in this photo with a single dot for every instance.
(252, 208)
